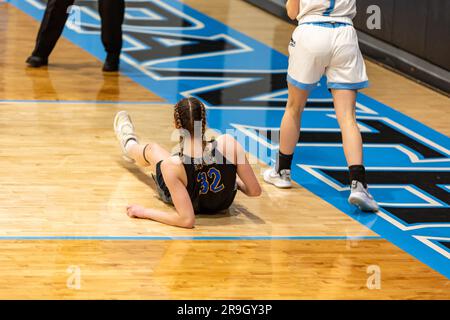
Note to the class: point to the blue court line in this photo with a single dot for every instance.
(152, 238)
(84, 102)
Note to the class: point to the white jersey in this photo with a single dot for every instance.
(327, 10)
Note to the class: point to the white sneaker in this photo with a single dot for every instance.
(124, 130)
(360, 197)
(279, 180)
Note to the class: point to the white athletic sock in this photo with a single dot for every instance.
(129, 144)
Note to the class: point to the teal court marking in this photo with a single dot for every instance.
(209, 238)
(83, 102)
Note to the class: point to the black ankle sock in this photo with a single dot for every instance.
(284, 161)
(358, 173)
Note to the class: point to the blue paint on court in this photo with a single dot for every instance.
(242, 81)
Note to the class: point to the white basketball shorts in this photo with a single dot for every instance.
(332, 49)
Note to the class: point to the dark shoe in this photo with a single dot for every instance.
(37, 62)
(111, 63)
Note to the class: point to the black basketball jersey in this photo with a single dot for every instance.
(212, 187)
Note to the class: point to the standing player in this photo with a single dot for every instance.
(203, 178)
(324, 42)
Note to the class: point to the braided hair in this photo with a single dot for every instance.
(188, 112)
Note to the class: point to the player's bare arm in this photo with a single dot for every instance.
(183, 215)
(293, 8)
(246, 180)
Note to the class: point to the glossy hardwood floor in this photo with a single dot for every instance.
(62, 175)
(213, 270)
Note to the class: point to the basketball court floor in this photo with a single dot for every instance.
(64, 232)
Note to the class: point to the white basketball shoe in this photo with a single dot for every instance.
(279, 180)
(360, 197)
(124, 129)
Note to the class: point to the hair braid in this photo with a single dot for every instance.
(203, 119)
(179, 125)
(188, 112)
(203, 114)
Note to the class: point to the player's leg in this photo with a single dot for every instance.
(308, 57)
(344, 104)
(147, 155)
(347, 74)
(290, 124)
(289, 135)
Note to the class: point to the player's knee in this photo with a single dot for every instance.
(348, 121)
(152, 146)
(294, 106)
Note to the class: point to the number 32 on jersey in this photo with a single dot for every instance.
(210, 181)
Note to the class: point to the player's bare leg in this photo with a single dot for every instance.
(146, 155)
(280, 175)
(290, 124)
(344, 104)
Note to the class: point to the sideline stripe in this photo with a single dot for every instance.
(151, 238)
(86, 102)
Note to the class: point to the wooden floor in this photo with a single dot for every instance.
(62, 176)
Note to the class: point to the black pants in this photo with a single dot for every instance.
(55, 17)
